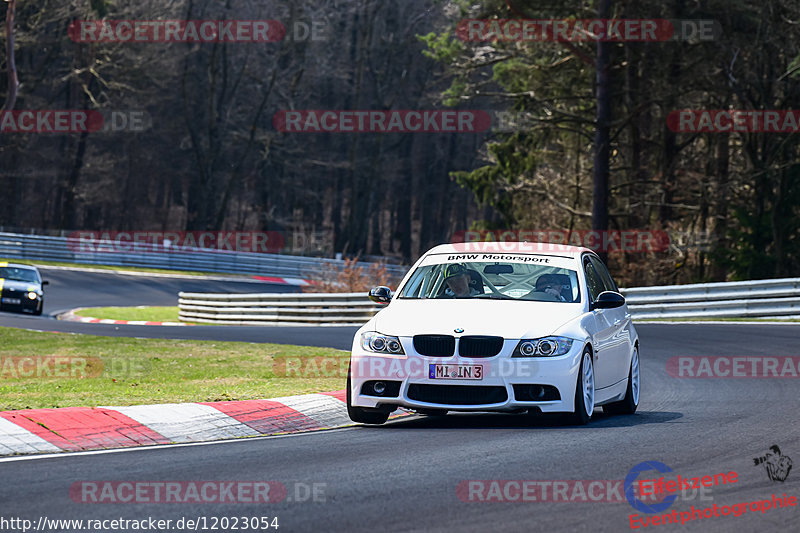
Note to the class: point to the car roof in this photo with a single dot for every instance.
(494, 247)
(17, 265)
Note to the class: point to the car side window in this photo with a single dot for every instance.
(593, 281)
(601, 269)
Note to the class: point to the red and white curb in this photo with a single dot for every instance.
(71, 316)
(297, 282)
(82, 428)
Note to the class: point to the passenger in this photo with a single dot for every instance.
(549, 285)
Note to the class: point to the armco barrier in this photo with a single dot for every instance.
(64, 249)
(763, 298)
(345, 309)
(778, 297)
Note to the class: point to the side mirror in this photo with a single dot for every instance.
(381, 295)
(607, 300)
(45, 282)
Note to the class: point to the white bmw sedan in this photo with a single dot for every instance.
(539, 328)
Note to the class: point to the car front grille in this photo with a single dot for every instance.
(435, 345)
(457, 394)
(479, 346)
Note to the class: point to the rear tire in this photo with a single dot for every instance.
(364, 415)
(584, 391)
(629, 404)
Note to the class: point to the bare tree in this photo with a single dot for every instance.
(13, 81)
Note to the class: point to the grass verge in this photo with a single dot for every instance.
(48, 370)
(149, 314)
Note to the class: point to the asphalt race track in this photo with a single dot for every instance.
(404, 476)
(69, 289)
(72, 289)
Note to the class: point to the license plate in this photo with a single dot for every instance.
(455, 372)
(12, 301)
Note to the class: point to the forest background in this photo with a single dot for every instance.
(210, 157)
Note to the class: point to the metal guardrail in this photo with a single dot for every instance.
(763, 298)
(345, 309)
(70, 250)
(767, 298)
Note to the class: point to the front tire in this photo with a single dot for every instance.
(629, 404)
(584, 391)
(364, 415)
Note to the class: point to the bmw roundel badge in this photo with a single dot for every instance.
(459, 330)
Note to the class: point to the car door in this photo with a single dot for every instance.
(617, 358)
(603, 337)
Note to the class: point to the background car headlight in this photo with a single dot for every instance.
(544, 347)
(32, 295)
(372, 341)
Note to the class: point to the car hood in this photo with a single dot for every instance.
(19, 285)
(504, 318)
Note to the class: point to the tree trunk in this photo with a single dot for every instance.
(720, 237)
(670, 138)
(602, 133)
(13, 81)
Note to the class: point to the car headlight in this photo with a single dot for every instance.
(32, 295)
(544, 347)
(372, 341)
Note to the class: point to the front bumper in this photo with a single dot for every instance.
(507, 384)
(18, 301)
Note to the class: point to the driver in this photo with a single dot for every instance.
(457, 279)
(549, 284)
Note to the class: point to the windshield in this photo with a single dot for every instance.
(19, 274)
(493, 280)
